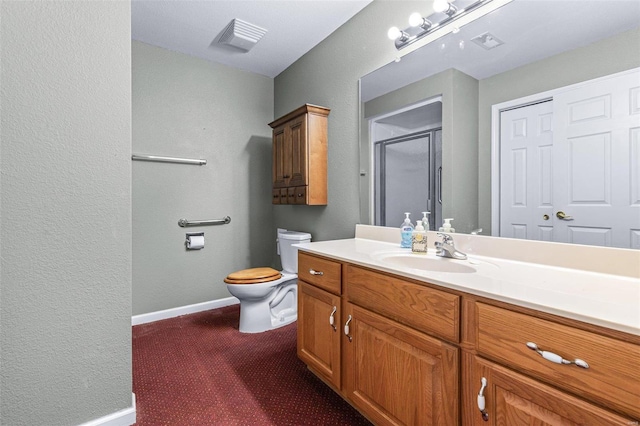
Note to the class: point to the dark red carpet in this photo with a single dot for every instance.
(199, 370)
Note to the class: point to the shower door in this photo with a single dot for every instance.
(405, 178)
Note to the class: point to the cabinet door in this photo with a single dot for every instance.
(318, 338)
(512, 399)
(281, 163)
(396, 375)
(298, 156)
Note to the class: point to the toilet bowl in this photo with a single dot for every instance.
(269, 298)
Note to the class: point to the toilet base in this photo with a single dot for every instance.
(257, 316)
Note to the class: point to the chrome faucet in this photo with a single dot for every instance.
(446, 248)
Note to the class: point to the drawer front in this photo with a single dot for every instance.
(283, 196)
(426, 309)
(291, 195)
(323, 273)
(300, 194)
(612, 377)
(275, 193)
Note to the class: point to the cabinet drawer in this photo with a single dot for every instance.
(291, 195)
(612, 377)
(283, 196)
(418, 306)
(300, 195)
(275, 196)
(322, 273)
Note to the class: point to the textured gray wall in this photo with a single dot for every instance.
(328, 75)
(65, 305)
(187, 107)
(609, 56)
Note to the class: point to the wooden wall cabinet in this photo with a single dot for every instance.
(410, 353)
(300, 156)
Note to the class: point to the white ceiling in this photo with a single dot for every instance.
(293, 28)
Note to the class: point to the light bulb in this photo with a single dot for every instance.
(440, 6)
(415, 20)
(394, 33)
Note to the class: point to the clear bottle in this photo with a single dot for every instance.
(419, 239)
(405, 232)
(425, 220)
(446, 226)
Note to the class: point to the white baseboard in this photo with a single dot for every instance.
(124, 417)
(182, 310)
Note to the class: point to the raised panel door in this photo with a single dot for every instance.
(298, 156)
(279, 167)
(318, 334)
(396, 375)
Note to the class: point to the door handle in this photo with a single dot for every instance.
(346, 328)
(332, 319)
(481, 401)
(562, 215)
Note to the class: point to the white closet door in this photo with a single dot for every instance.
(597, 162)
(526, 185)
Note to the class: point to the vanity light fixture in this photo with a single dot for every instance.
(415, 20)
(443, 6)
(394, 33)
(421, 27)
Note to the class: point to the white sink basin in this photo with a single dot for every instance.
(426, 262)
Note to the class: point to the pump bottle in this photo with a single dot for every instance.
(406, 230)
(446, 226)
(419, 239)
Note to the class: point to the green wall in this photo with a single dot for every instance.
(188, 107)
(65, 211)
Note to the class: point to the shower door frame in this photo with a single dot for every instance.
(435, 191)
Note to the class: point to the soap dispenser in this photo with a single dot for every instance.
(446, 226)
(419, 239)
(425, 220)
(406, 229)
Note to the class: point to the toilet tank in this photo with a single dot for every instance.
(288, 253)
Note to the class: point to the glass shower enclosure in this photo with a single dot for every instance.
(407, 151)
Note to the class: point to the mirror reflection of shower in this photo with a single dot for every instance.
(407, 164)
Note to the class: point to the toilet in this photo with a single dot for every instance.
(269, 298)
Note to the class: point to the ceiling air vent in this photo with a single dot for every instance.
(487, 41)
(241, 35)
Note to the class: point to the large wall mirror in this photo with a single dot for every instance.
(528, 139)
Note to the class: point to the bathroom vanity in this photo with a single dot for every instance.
(421, 340)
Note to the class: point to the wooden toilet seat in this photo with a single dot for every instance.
(253, 276)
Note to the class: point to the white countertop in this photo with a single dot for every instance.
(611, 301)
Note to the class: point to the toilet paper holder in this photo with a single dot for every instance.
(190, 244)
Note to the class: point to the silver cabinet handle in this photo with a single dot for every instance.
(314, 272)
(550, 356)
(346, 328)
(332, 319)
(481, 402)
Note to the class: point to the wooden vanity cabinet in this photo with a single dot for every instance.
(410, 353)
(320, 317)
(523, 387)
(300, 156)
(512, 399)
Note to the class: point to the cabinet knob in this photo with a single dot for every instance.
(314, 272)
